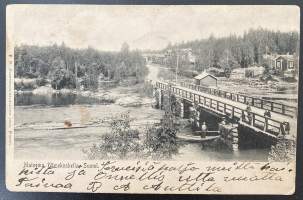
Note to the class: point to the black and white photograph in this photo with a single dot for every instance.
(154, 83)
(179, 84)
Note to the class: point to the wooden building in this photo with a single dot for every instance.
(205, 79)
(281, 63)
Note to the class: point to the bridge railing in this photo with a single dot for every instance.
(241, 98)
(270, 126)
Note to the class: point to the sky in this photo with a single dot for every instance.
(106, 27)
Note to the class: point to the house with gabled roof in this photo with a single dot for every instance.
(281, 63)
(206, 79)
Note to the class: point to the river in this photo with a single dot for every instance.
(36, 116)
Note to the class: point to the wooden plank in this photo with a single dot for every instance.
(233, 107)
(193, 138)
(216, 92)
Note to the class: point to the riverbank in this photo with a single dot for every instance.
(39, 124)
(134, 95)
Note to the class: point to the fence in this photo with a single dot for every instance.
(269, 126)
(275, 107)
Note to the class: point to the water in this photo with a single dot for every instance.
(195, 151)
(35, 115)
(57, 99)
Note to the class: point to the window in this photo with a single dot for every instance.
(290, 65)
(278, 64)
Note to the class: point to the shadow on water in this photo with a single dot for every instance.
(58, 100)
(217, 150)
(214, 150)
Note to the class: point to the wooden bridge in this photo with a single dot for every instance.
(272, 106)
(233, 106)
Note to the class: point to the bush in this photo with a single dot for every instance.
(41, 82)
(90, 82)
(30, 75)
(119, 143)
(122, 142)
(283, 151)
(160, 142)
(63, 79)
(266, 78)
(216, 72)
(188, 73)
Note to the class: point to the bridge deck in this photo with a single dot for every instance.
(275, 117)
(274, 107)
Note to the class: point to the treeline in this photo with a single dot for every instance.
(70, 68)
(239, 51)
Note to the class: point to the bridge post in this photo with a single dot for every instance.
(229, 135)
(155, 98)
(195, 116)
(154, 92)
(181, 104)
(198, 123)
(266, 124)
(283, 109)
(160, 99)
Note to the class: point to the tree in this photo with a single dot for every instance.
(124, 49)
(63, 79)
(243, 50)
(49, 62)
(120, 70)
(19, 70)
(160, 140)
(123, 141)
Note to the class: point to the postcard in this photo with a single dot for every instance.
(168, 99)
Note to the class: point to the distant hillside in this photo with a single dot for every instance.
(152, 40)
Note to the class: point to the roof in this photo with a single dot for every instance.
(287, 57)
(276, 56)
(203, 75)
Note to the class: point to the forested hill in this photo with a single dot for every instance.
(62, 64)
(240, 51)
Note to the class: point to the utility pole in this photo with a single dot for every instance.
(76, 74)
(177, 66)
(136, 71)
(227, 57)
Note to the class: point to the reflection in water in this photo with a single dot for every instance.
(217, 150)
(57, 99)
